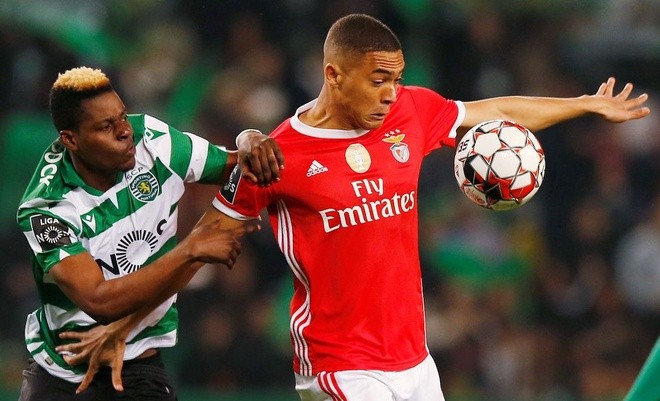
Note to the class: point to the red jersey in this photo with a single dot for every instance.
(345, 217)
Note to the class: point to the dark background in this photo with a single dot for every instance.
(558, 300)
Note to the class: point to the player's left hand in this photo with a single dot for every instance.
(618, 108)
(259, 157)
(99, 346)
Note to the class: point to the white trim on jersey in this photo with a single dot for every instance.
(419, 383)
(230, 212)
(321, 132)
(302, 317)
(459, 118)
(198, 156)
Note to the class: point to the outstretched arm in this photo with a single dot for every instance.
(105, 345)
(80, 279)
(537, 113)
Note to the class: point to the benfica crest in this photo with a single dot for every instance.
(399, 149)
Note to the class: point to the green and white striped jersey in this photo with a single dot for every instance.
(124, 228)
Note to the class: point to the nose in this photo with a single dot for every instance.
(389, 94)
(124, 130)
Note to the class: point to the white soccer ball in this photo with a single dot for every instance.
(499, 164)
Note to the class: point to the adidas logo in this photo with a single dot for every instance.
(316, 168)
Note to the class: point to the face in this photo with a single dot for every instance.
(368, 88)
(103, 143)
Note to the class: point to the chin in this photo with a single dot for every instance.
(128, 165)
(371, 125)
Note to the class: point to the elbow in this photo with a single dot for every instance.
(104, 319)
(103, 312)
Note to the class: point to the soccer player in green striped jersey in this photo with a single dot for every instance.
(647, 384)
(100, 215)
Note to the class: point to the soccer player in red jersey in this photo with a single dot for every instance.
(345, 211)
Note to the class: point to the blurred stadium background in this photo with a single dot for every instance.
(559, 300)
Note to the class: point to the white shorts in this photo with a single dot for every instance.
(420, 383)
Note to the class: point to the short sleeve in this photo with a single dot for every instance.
(51, 238)
(439, 117)
(191, 157)
(241, 199)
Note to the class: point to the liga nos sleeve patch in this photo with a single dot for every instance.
(228, 191)
(50, 232)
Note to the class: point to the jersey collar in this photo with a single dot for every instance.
(321, 132)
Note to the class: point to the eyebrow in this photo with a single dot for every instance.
(386, 72)
(382, 71)
(112, 119)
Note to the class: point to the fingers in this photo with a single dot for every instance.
(252, 226)
(72, 335)
(640, 113)
(609, 86)
(72, 348)
(77, 359)
(625, 92)
(247, 173)
(116, 377)
(118, 365)
(278, 158)
(269, 172)
(262, 164)
(246, 228)
(89, 376)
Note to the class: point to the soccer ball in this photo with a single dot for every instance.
(499, 164)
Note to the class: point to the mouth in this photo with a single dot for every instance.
(131, 150)
(379, 116)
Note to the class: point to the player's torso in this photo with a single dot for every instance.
(126, 227)
(346, 220)
(348, 182)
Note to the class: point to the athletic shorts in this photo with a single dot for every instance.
(143, 379)
(420, 383)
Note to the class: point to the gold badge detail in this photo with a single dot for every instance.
(358, 158)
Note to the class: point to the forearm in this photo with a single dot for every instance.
(147, 287)
(124, 325)
(535, 113)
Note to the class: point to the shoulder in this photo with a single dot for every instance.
(423, 101)
(419, 93)
(283, 130)
(47, 181)
(37, 212)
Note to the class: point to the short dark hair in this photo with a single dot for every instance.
(70, 89)
(361, 34)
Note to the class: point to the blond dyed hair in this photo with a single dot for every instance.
(68, 92)
(81, 79)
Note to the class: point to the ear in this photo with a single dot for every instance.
(333, 75)
(68, 139)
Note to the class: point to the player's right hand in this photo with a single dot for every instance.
(259, 157)
(101, 345)
(210, 243)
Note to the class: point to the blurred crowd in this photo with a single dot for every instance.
(556, 300)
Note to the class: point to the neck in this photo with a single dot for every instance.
(97, 179)
(325, 114)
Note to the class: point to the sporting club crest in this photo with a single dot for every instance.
(144, 187)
